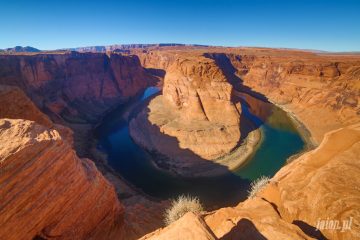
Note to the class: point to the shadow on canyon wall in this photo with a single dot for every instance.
(254, 114)
(223, 61)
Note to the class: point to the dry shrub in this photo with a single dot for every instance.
(180, 206)
(257, 185)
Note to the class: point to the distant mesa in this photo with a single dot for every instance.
(126, 47)
(18, 49)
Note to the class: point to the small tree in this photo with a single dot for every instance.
(258, 185)
(180, 206)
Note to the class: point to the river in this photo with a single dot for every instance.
(280, 140)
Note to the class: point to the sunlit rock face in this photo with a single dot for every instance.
(194, 119)
(200, 90)
(190, 227)
(207, 122)
(47, 191)
(15, 104)
(321, 90)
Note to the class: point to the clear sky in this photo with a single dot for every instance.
(309, 24)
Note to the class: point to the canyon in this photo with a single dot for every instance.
(52, 174)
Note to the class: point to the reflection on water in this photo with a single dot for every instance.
(280, 140)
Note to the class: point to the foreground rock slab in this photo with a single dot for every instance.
(47, 191)
(189, 227)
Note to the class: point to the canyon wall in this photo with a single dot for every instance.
(322, 91)
(75, 87)
(303, 83)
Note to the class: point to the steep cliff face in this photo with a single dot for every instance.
(15, 104)
(201, 91)
(75, 86)
(194, 119)
(303, 84)
(47, 191)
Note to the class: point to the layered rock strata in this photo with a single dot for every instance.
(15, 104)
(317, 89)
(194, 120)
(301, 82)
(47, 191)
(75, 87)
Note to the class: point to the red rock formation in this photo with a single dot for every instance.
(75, 86)
(189, 227)
(322, 91)
(48, 191)
(194, 119)
(322, 185)
(15, 104)
(302, 82)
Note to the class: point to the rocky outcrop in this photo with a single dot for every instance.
(194, 119)
(15, 104)
(298, 201)
(191, 227)
(75, 87)
(208, 121)
(311, 190)
(47, 191)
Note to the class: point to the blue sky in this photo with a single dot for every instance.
(308, 24)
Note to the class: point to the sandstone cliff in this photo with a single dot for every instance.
(15, 104)
(194, 119)
(316, 88)
(47, 191)
(75, 87)
(302, 82)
